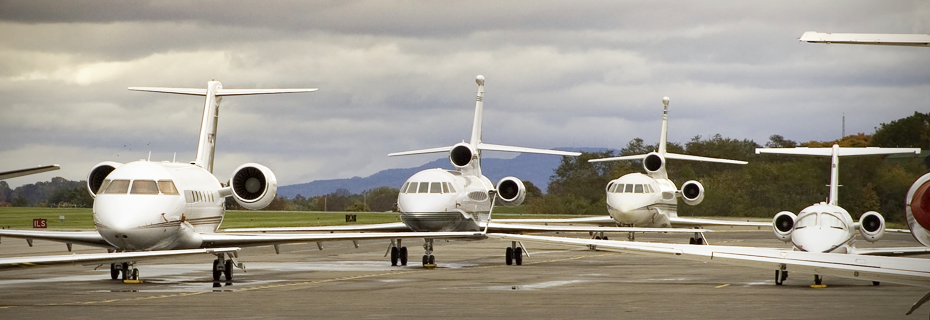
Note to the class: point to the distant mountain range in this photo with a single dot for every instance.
(536, 168)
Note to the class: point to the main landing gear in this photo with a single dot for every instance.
(223, 266)
(428, 259)
(398, 253)
(780, 276)
(698, 239)
(514, 254)
(126, 269)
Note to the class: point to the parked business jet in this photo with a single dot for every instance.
(826, 227)
(146, 209)
(460, 200)
(25, 172)
(651, 199)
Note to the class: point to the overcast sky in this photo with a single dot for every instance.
(399, 75)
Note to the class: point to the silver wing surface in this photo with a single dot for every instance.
(90, 238)
(101, 258)
(909, 271)
(263, 239)
(400, 230)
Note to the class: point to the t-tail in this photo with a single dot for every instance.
(214, 93)
(654, 162)
(467, 156)
(836, 152)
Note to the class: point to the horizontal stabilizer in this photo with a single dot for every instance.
(826, 152)
(25, 172)
(704, 159)
(219, 92)
(496, 147)
(421, 151)
(636, 157)
(921, 40)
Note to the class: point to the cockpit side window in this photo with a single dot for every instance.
(445, 187)
(451, 188)
(649, 188)
(144, 187)
(167, 187)
(118, 187)
(412, 188)
(435, 187)
(424, 187)
(103, 186)
(628, 188)
(403, 189)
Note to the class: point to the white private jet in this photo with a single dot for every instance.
(826, 227)
(460, 200)
(25, 172)
(651, 200)
(146, 209)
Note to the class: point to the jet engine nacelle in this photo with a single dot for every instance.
(872, 226)
(692, 192)
(511, 191)
(653, 162)
(917, 209)
(253, 186)
(461, 155)
(98, 174)
(783, 224)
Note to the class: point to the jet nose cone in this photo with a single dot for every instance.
(814, 239)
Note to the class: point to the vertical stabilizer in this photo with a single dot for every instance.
(835, 175)
(479, 105)
(206, 146)
(663, 137)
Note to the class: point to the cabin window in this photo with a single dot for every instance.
(628, 188)
(807, 221)
(167, 187)
(445, 187)
(144, 187)
(424, 187)
(118, 187)
(638, 188)
(435, 187)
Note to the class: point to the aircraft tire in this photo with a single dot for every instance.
(818, 280)
(518, 256)
(125, 271)
(432, 259)
(114, 273)
(508, 256)
(135, 274)
(395, 254)
(216, 273)
(403, 256)
(228, 272)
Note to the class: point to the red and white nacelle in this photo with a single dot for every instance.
(917, 209)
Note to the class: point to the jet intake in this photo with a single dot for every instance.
(461, 155)
(511, 191)
(917, 209)
(254, 186)
(872, 226)
(98, 174)
(653, 162)
(692, 192)
(783, 224)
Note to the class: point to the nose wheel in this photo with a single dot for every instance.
(429, 260)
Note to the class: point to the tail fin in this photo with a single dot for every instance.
(663, 136)
(836, 152)
(479, 105)
(213, 93)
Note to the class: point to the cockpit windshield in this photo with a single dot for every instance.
(631, 188)
(144, 187)
(831, 221)
(167, 187)
(428, 187)
(809, 220)
(117, 187)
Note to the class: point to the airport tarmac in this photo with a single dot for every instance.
(471, 281)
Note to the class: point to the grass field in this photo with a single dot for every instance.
(81, 219)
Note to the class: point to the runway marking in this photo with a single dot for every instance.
(722, 285)
(292, 284)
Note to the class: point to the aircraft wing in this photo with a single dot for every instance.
(920, 40)
(264, 239)
(25, 172)
(101, 258)
(596, 220)
(899, 251)
(513, 227)
(909, 271)
(90, 238)
(380, 227)
(679, 221)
